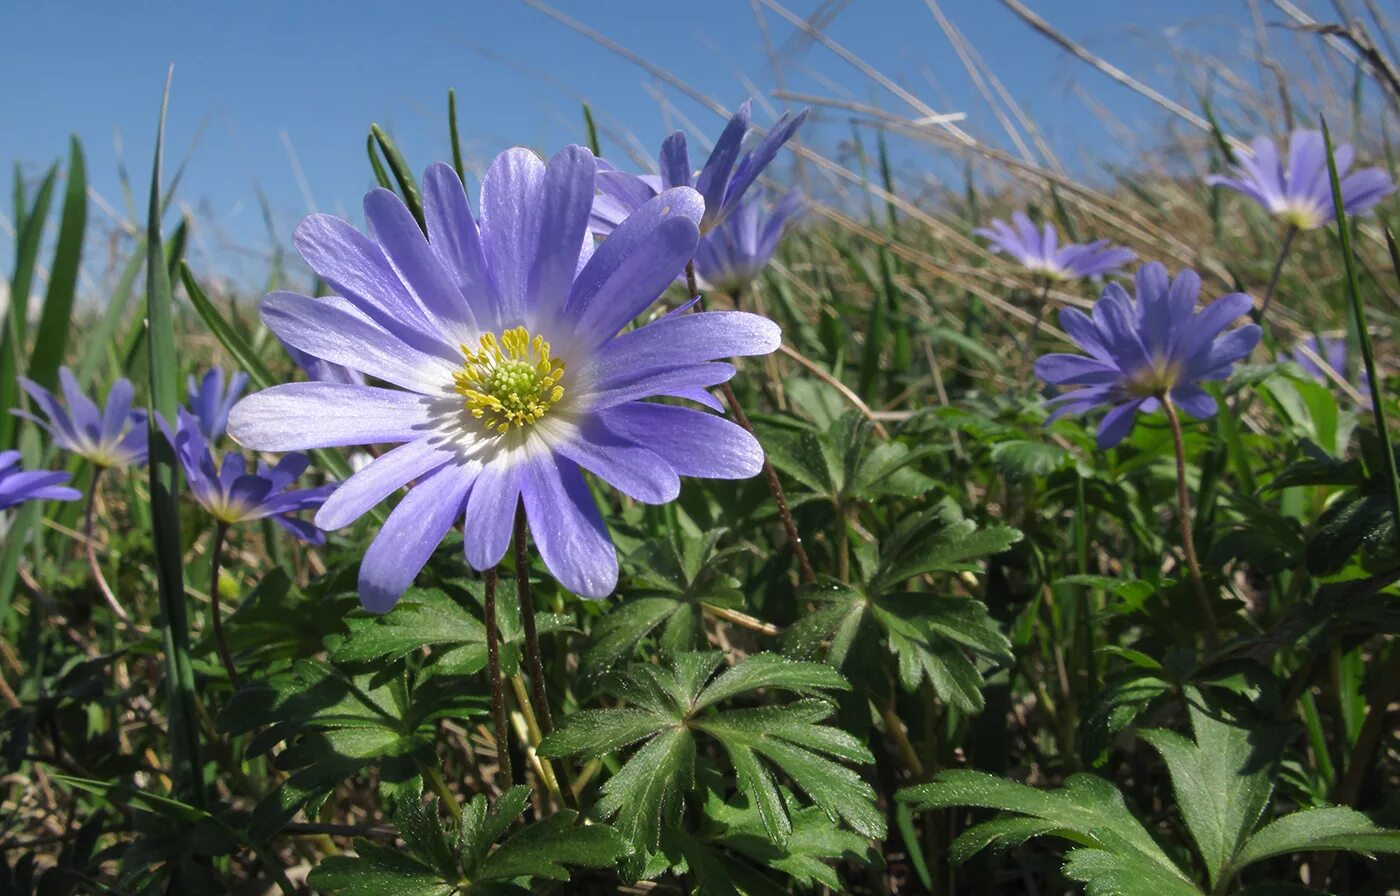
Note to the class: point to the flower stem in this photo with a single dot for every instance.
(498, 697)
(776, 487)
(91, 547)
(1274, 275)
(1042, 302)
(216, 553)
(526, 598)
(1188, 542)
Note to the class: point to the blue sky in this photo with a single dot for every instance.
(252, 77)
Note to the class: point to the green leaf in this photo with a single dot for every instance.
(1222, 780)
(30, 233)
(424, 617)
(51, 339)
(596, 732)
(649, 790)
(378, 871)
(1315, 830)
(932, 542)
(1024, 459)
(1087, 811)
(769, 670)
(544, 848)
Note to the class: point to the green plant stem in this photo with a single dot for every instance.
(91, 548)
(526, 598)
(1188, 542)
(1288, 237)
(789, 525)
(216, 616)
(434, 779)
(532, 728)
(1368, 740)
(1042, 302)
(498, 697)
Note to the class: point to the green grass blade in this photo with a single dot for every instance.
(165, 509)
(456, 137)
(591, 127)
(1363, 335)
(52, 336)
(27, 238)
(381, 176)
(403, 175)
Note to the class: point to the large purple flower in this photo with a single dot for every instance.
(721, 182)
(232, 493)
(210, 402)
(113, 436)
(502, 334)
(18, 486)
(1039, 250)
(731, 256)
(1142, 351)
(1301, 195)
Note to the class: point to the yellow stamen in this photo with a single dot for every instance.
(510, 380)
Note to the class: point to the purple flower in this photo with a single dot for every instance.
(18, 486)
(210, 404)
(1301, 196)
(114, 436)
(502, 334)
(1332, 352)
(1139, 351)
(234, 494)
(731, 256)
(721, 182)
(1040, 252)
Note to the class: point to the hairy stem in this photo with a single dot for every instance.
(789, 525)
(526, 597)
(1041, 303)
(498, 696)
(91, 547)
(1188, 541)
(1274, 275)
(216, 616)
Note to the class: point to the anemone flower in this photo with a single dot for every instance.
(722, 182)
(1144, 352)
(233, 493)
(18, 486)
(210, 403)
(1301, 194)
(1040, 252)
(731, 256)
(502, 334)
(113, 436)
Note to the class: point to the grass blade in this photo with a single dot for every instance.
(1358, 310)
(456, 138)
(52, 336)
(99, 341)
(592, 128)
(27, 241)
(408, 187)
(381, 176)
(165, 509)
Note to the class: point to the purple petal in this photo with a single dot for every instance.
(378, 480)
(1060, 369)
(297, 416)
(635, 264)
(355, 267)
(563, 225)
(1195, 401)
(1363, 189)
(713, 180)
(452, 234)
(491, 511)
(675, 341)
(675, 162)
(409, 537)
(117, 415)
(417, 267)
(693, 442)
(631, 468)
(326, 332)
(511, 195)
(567, 527)
(762, 156)
(660, 381)
(1116, 424)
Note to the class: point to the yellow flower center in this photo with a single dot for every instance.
(510, 381)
